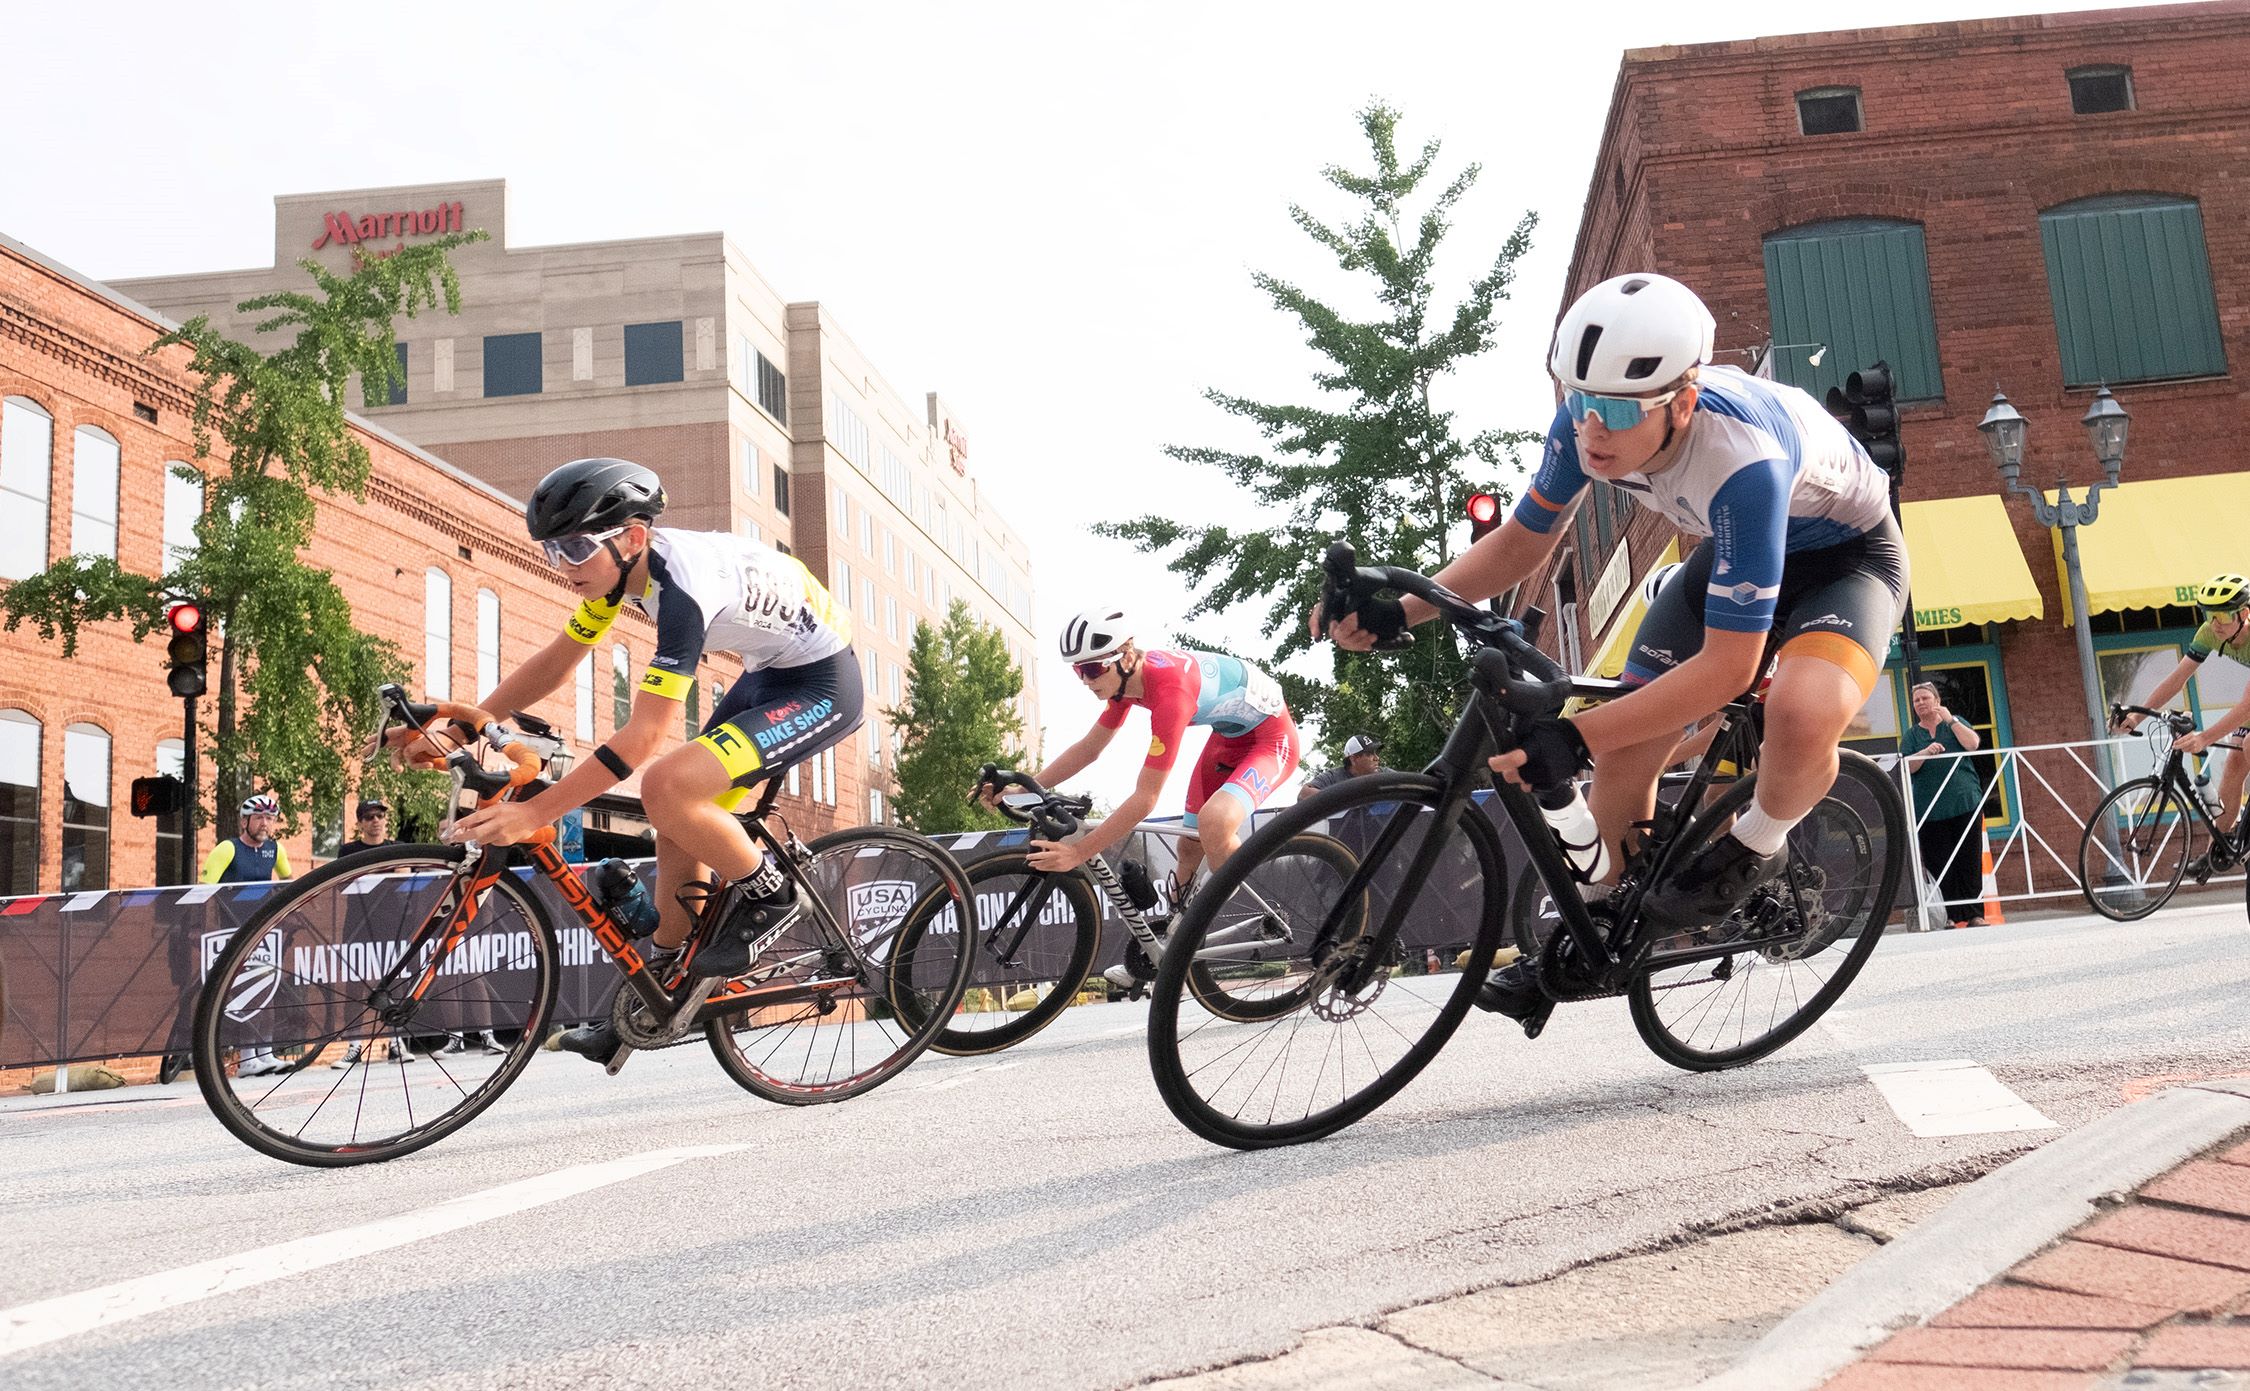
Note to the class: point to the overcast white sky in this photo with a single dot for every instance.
(1047, 212)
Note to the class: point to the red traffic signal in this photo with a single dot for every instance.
(1484, 515)
(158, 796)
(187, 650)
(185, 616)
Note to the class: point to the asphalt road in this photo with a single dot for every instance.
(1038, 1216)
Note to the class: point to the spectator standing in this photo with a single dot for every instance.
(1362, 755)
(371, 825)
(1949, 802)
(252, 856)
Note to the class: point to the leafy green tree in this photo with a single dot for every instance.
(959, 714)
(1371, 461)
(294, 678)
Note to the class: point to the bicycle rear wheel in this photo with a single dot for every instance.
(1727, 995)
(2135, 848)
(299, 1043)
(1253, 964)
(1049, 926)
(1338, 1052)
(847, 1013)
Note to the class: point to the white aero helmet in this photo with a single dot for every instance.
(1654, 584)
(1631, 335)
(1096, 633)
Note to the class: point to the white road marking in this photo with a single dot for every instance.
(1955, 1097)
(959, 1077)
(48, 1320)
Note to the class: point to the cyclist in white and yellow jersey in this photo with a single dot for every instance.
(2223, 603)
(707, 591)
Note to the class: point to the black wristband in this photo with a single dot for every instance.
(607, 757)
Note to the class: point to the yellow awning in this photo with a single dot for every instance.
(1618, 644)
(1967, 566)
(2157, 540)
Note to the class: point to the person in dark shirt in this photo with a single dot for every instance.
(372, 821)
(1362, 755)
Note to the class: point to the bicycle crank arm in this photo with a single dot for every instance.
(617, 1059)
(694, 1001)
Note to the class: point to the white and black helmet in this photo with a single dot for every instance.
(1631, 335)
(1095, 634)
(1656, 579)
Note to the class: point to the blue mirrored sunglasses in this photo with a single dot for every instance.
(1616, 412)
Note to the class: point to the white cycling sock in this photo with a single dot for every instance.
(766, 881)
(1761, 831)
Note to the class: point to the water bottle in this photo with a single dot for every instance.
(1572, 821)
(624, 897)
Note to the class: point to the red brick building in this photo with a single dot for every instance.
(2043, 204)
(433, 560)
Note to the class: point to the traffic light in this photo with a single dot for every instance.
(185, 652)
(1484, 515)
(158, 796)
(1866, 406)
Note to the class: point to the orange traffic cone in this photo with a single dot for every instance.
(1992, 913)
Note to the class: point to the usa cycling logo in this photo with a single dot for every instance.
(877, 907)
(255, 985)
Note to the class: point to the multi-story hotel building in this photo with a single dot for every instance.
(760, 413)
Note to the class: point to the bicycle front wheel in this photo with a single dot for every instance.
(849, 1012)
(373, 1007)
(2135, 849)
(1730, 994)
(1036, 937)
(1360, 1028)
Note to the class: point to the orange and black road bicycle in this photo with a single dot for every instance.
(379, 1003)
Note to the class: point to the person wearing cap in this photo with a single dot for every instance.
(372, 820)
(251, 856)
(1362, 755)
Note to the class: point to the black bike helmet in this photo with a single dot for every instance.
(592, 495)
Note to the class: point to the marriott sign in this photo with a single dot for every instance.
(345, 230)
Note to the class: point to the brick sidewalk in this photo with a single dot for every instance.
(2161, 1283)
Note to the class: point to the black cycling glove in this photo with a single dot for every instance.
(1384, 618)
(1553, 752)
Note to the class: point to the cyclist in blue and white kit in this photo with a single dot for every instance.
(1800, 545)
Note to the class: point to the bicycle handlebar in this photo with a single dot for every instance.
(420, 721)
(1346, 584)
(1061, 813)
(2180, 720)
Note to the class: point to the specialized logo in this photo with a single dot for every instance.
(254, 986)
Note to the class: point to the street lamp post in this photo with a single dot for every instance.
(2004, 430)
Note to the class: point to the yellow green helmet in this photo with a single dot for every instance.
(2222, 593)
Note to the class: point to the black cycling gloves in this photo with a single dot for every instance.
(1384, 618)
(1553, 752)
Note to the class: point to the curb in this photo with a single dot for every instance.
(1995, 1223)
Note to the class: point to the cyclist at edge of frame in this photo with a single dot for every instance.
(1251, 752)
(1797, 537)
(2223, 603)
(707, 591)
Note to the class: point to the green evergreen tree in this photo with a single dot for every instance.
(293, 678)
(1372, 462)
(959, 714)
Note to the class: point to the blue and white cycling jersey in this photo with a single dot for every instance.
(1762, 470)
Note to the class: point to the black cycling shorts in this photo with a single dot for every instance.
(1840, 603)
(777, 716)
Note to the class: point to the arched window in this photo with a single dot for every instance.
(437, 634)
(171, 828)
(85, 817)
(584, 690)
(621, 686)
(183, 506)
(488, 642)
(93, 493)
(19, 802)
(2130, 279)
(27, 453)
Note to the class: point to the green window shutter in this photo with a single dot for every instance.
(1861, 286)
(2131, 283)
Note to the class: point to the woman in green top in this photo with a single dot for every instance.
(1950, 803)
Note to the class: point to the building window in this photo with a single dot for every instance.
(875, 743)
(750, 477)
(19, 802)
(512, 364)
(183, 507)
(867, 599)
(1828, 110)
(2131, 284)
(828, 773)
(2100, 88)
(171, 828)
(843, 512)
(654, 353)
(93, 493)
(85, 817)
(841, 586)
(793, 783)
(773, 390)
(874, 673)
(781, 490)
(583, 689)
(874, 807)
(27, 442)
(437, 634)
(890, 552)
(398, 383)
(1861, 286)
(813, 771)
(890, 616)
(847, 432)
(620, 687)
(488, 642)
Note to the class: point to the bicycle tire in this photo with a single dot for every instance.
(1426, 1005)
(2155, 840)
(258, 1120)
(1210, 987)
(1869, 895)
(969, 1035)
(883, 1006)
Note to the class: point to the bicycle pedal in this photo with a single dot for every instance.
(1537, 1023)
(617, 1059)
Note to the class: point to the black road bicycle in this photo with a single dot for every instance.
(420, 942)
(1040, 931)
(2140, 841)
(1432, 867)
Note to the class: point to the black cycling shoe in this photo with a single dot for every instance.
(595, 1042)
(748, 930)
(1514, 991)
(1713, 884)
